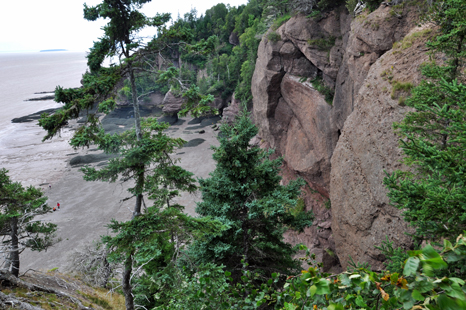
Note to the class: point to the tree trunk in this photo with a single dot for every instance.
(126, 283)
(245, 244)
(139, 189)
(134, 92)
(14, 255)
(107, 272)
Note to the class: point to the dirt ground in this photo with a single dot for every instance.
(87, 207)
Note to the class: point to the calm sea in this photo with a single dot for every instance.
(21, 149)
(23, 74)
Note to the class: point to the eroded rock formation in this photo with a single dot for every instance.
(172, 104)
(341, 149)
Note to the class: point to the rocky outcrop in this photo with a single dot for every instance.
(294, 118)
(230, 112)
(361, 214)
(172, 104)
(155, 99)
(233, 39)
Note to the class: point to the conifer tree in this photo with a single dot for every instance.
(433, 194)
(143, 153)
(245, 194)
(18, 228)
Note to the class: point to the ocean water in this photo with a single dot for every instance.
(22, 151)
(23, 74)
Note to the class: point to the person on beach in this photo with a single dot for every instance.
(58, 205)
(50, 186)
(54, 209)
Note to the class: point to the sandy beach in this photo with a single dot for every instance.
(87, 207)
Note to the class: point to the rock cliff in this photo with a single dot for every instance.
(340, 148)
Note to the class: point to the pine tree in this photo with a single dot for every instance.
(18, 228)
(245, 194)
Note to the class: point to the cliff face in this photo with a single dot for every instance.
(340, 149)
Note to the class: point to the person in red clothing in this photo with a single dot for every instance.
(58, 205)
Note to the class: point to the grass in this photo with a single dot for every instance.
(322, 44)
(397, 10)
(319, 85)
(400, 87)
(97, 298)
(409, 40)
(300, 206)
(104, 299)
(400, 90)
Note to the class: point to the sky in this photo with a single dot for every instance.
(34, 25)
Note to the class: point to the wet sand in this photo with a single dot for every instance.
(87, 207)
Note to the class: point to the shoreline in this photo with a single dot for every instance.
(87, 207)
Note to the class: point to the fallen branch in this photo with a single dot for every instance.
(12, 280)
(15, 303)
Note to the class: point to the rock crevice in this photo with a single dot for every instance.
(341, 149)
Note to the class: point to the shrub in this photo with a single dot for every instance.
(280, 21)
(273, 36)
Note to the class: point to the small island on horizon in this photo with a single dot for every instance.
(54, 50)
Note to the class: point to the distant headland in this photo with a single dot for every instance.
(54, 50)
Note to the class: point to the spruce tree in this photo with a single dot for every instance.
(245, 193)
(433, 194)
(18, 227)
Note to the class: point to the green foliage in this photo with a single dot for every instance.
(146, 83)
(124, 20)
(395, 256)
(154, 240)
(316, 14)
(135, 158)
(400, 87)
(433, 197)
(373, 4)
(244, 193)
(97, 88)
(196, 103)
(449, 16)
(324, 44)
(210, 287)
(280, 21)
(351, 5)
(414, 287)
(432, 193)
(273, 36)
(319, 85)
(325, 5)
(155, 235)
(409, 40)
(19, 229)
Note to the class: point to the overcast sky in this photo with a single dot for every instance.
(33, 25)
